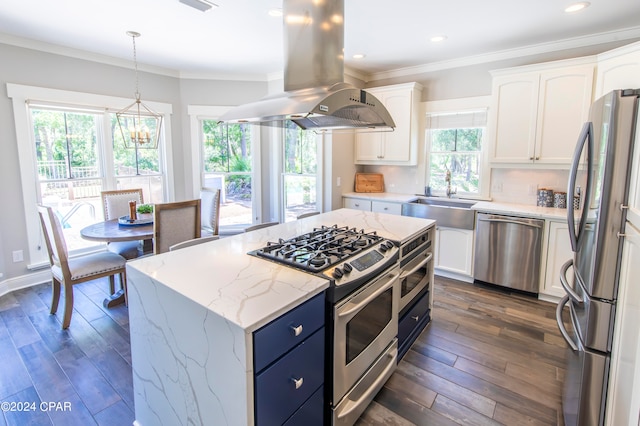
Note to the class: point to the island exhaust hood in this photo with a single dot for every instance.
(316, 96)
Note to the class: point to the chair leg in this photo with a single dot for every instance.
(55, 295)
(68, 305)
(123, 284)
(112, 284)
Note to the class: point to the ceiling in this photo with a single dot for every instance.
(239, 39)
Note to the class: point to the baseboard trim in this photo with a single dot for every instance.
(24, 281)
(453, 275)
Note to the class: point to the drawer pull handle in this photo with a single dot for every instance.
(297, 382)
(415, 317)
(297, 330)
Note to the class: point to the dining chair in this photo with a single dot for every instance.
(67, 272)
(174, 223)
(260, 226)
(116, 204)
(303, 215)
(193, 242)
(210, 210)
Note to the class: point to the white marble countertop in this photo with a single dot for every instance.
(382, 196)
(250, 291)
(521, 210)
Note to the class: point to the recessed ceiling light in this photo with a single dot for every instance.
(575, 7)
(201, 5)
(359, 56)
(438, 38)
(275, 12)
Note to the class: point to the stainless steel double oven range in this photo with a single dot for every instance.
(362, 306)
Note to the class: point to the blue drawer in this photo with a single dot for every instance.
(311, 413)
(278, 337)
(276, 396)
(413, 318)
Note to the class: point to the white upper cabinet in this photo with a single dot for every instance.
(399, 147)
(537, 112)
(618, 69)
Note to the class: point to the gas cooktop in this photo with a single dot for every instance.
(321, 248)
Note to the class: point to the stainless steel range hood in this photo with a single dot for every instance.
(315, 96)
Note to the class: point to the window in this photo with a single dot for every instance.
(300, 167)
(70, 151)
(227, 165)
(455, 143)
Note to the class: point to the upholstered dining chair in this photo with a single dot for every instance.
(174, 223)
(116, 204)
(68, 272)
(193, 242)
(260, 226)
(210, 210)
(303, 215)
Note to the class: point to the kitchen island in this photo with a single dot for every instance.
(193, 313)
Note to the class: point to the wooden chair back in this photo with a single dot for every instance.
(210, 207)
(174, 223)
(194, 242)
(54, 240)
(115, 204)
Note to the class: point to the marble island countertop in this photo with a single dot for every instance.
(249, 291)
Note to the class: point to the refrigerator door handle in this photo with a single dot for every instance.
(561, 326)
(565, 283)
(585, 138)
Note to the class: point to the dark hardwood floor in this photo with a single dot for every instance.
(486, 358)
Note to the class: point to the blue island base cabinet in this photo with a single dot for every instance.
(289, 358)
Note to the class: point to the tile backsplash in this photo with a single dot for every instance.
(520, 185)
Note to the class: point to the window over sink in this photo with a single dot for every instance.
(455, 146)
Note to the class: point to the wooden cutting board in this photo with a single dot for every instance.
(369, 182)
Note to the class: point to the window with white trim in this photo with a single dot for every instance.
(69, 151)
(455, 142)
(300, 171)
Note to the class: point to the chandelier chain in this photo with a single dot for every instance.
(135, 63)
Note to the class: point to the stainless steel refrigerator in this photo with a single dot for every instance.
(602, 165)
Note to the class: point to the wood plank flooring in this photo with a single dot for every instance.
(487, 358)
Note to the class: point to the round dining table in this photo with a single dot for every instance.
(111, 231)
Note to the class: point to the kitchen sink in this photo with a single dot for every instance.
(447, 212)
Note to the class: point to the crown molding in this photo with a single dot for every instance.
(571, 43)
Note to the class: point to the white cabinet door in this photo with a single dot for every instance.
(454, 250)
(536, 116)
(513, 113)
(399, 147)
(386, 207)
(623, 401)
(563, 107)
(618, 69)
(357, 203)
(557, 253)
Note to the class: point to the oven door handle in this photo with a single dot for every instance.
(358, 304)
(420, 265)
(374, 387)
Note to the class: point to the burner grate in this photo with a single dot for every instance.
(320, 248)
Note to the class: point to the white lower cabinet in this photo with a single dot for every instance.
(372, 206)
(386, 207)
(454, 250)
(357, 203)
(558, 251)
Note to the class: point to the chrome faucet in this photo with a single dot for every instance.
(447, 178)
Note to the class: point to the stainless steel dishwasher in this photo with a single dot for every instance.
(508, 251)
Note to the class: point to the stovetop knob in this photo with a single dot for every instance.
(389, 244)
(347, 268)
(383, 247)
(337, 273)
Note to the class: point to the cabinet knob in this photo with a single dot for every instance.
(296, 330)
(531, 158)
(537, 158)
(386, 208)
(415, 318)
(357, 205)
(297, 382)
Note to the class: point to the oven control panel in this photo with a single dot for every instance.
(375, 259)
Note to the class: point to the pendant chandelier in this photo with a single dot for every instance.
(139, 125)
